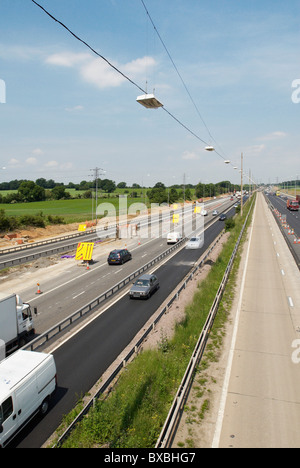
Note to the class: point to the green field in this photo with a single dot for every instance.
(73, 210)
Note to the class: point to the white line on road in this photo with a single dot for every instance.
(74, 297)
(219, 424)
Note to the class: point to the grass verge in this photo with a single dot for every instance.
(135, 411)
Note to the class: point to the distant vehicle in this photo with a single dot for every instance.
(215, 213)
(118, 257)
(16, 323)
(194, 243)
(144, 287)
(292, 205)
(223, 217)
(27, 383)
(236, 205)
(173, 237)
(204, 212)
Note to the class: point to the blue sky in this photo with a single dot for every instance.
(66, 111)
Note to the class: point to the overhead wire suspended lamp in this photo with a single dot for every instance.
(149, 101)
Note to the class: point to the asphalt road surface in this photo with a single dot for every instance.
(260, 405)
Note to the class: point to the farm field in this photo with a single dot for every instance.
(72, 210)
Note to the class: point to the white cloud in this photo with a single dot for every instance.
(31, 161)
(273, 136)
(100, 74)
(97, 72)
(37, 152)
(13, 162)
(51, 164)
(67, 59)
(255, 150)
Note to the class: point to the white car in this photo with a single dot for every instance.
(194, 243)
(215, 213)
(204, 212)
(173, 237)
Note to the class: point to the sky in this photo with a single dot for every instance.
(226, 71)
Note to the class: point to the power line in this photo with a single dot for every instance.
(178, 73)
(115, 68)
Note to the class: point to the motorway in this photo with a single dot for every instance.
(260, 403)
(66, 286)
(84, 358)
(293, 217)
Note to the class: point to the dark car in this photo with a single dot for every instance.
(118, 257)
(144, 287)
(223, 217)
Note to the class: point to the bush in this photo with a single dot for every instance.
(32, 220)
(55, 219)
(229, 224)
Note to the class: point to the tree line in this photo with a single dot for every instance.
(42, 189)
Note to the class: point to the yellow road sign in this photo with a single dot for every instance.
(82, 227)
(176, 218)
(84, 251)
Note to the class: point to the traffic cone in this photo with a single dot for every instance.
(38, 291)
(88, 266)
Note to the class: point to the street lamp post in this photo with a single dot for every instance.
(242, 157)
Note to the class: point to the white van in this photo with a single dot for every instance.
(27, 382)
(173, 237)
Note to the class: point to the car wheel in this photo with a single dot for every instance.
(44, 407)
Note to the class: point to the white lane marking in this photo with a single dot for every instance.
(290, 301)
(74, 297)
(219, 424)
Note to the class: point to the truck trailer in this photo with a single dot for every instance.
(27, 383)
(16, 324)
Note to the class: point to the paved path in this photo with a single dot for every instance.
(260, 405)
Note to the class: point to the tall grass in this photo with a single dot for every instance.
(133, 415)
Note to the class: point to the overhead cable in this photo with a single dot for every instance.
(117, 70)
(178, 73)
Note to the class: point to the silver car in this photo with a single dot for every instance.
(144, 287)
(194, 243)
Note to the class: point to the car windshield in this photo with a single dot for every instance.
(142, 283)
(193, 239)
(114, 255)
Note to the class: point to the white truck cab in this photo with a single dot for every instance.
(27, 382)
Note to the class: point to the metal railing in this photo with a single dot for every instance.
(95, 303)
(134, 349)
(166, 434)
